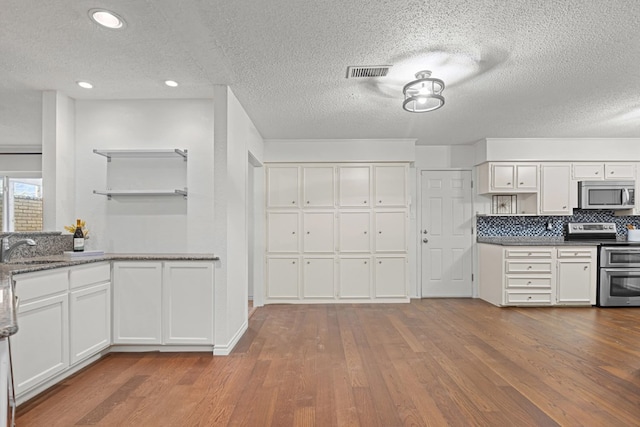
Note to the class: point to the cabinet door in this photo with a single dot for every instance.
(318, 278)
(318, 232)
(354, 231)
(555, 190)
(282, 232)
(188, 302)
(283, 277)
(282, 186)
(619, 171)
(573, 282)
(40, 349)
(318, 187)
(390, 185)
(391, 231)
(354, 278)
(353, 186)
(591, 171)
(502, 177)
(390, 277)
(137, 308)
(527, 177)
(90, 321)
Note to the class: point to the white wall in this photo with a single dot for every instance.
(235, 138)
(138, 224)
(58, 159)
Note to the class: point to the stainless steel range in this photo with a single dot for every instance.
(618, 264)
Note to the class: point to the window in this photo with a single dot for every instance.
(21, 202)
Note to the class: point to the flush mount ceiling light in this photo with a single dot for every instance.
(171, 83)
(423, 94)
(85, 85)
(106, 18)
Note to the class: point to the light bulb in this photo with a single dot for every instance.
(422, 100)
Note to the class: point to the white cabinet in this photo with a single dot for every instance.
(187, 289)
(588, 171)
(318, 278)
(391, 232)
(89, 310)
(283, 278)
(354, 232)
(507, 177)
(282, 232)
(40, 349)
(576, 279)
(318, 232)
(390, 185)
(318, 186)
(354, 189)
(283, 186)
(390, 280)
(602, 171)
(619, 171)
(555, 189)
(137, 302)
(354, 279)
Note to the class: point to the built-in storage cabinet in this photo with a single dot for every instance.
(283, 187)
(602, 171)
(145, 172)
(163, 302)
(324, 250)
(555, 189)
(507, 177)
(520, 275)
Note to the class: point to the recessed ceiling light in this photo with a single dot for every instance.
(85, 85)
(106, 18)
(171, 83)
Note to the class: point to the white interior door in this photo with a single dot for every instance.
(446, 234)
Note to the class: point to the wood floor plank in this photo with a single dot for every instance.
(439, 362)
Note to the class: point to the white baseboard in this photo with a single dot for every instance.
(226, 349)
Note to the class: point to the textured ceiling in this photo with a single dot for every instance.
(518, 68)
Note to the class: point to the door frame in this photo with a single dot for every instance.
(418, 227)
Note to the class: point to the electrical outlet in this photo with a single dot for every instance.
(549, 225)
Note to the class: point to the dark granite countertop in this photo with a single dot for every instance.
(535, 241)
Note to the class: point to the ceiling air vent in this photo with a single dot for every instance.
(355, 72)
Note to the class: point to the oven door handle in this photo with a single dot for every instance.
(622, 270)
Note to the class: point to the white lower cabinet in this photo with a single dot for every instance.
(576, 280)
(188, 303)
(354, 278)
(90, 321)
(283, 278)
(137, 302)
(390, 280)
(318, 278)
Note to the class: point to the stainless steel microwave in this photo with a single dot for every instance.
(606, 194)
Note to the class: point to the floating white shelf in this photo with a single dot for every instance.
(155, 153)
(117, 193)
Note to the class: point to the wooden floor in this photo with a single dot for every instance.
(431, 362)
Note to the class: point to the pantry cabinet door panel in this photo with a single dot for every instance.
(390, 277)
(282, 187)
(390, 186)
(318, 186)
(355, 231)
(318, 278)
(283, 278)
(282, 232)
(391, 231)
(354, 186)
(319, 232)
(355, 278)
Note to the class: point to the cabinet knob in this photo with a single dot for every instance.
(307, 202)
(308, 262)
(365, 262)
(611, 172)
(293, 262)
(293, 232)
(379, 232)
(596, 172)
(308, 232)
(529, 297)
(379, 262)
(379, 201)
(529, 267)
(365, 202)
(508, 183)
(586, 267)
(529, 282)
(564, 207)
(365, 232)
(293, 202)
(522, 183)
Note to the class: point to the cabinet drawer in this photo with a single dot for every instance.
(528, 282)
(528, 298)
(84, 275)
(528, 267)
(574, 253)
(528, 253)
(42, 283)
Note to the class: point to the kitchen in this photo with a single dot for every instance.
(229, 142)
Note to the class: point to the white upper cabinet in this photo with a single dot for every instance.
(354, 231)
(390, 185)
(591, 171)
(283, 187)
(555, 189)
(391, 231)
(619, 171)
(318, 186)
(318, 232)
(282, 232)
(601, 171)
(354, 186)
(507, 177)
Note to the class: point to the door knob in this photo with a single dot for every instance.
(425, 240)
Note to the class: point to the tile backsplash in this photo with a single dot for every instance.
(490, 226)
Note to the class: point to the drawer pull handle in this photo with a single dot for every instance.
(529, 282)
(529, 297)
(529, 267)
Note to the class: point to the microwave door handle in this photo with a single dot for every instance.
(625, 196)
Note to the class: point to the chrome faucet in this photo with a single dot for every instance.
(6, 249)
